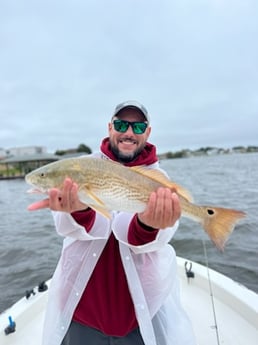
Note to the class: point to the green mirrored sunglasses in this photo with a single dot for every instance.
(137, 127)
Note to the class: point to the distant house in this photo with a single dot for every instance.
(19, 161)
(2, 153)
(26, 150)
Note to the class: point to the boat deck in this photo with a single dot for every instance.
(236, 310)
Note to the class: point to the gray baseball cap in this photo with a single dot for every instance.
(132, 104)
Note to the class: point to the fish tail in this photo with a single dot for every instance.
(219, 223)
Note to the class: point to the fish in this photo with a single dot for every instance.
(105, 185)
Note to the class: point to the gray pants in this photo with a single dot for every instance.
(82, 335)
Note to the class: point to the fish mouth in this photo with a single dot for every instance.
(36, 190)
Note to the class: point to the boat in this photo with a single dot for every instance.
(222, 311)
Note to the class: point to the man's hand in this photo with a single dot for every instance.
(65, 200)
(163, 209)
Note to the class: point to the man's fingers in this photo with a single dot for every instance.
(176, 204)
(163, 209)
(38, 205)
(65, 200)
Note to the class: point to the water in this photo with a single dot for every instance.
(30, 246)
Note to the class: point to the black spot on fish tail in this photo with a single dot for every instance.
(210, 212)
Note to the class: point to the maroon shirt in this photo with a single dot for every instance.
(106, 303)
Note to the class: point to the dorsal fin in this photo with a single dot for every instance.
(159, 177)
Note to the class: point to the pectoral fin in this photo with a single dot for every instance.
(98, 204)
(91, 195)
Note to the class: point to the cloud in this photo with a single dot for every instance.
(64, 65)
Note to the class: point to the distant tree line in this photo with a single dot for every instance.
(82, 148)
(206, 150)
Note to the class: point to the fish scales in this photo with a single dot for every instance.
(105, 185)
(129, 192)
(121, 186)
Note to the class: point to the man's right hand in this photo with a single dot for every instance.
(65, 200)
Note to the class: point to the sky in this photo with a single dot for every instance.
(65, 65)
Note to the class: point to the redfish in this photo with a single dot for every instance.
(105, 185)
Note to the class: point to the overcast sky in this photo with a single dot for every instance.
(65, 65)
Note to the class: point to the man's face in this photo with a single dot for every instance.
(126, 146)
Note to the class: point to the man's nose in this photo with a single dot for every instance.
(130, 130)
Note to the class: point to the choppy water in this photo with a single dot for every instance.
(30, 246)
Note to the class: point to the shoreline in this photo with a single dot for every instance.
(11, 177)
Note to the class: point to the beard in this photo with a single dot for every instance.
(125, 157)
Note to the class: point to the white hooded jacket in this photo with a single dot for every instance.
(150, 269)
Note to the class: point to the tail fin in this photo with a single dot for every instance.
(219, 223)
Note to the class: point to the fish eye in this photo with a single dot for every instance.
(42, 175)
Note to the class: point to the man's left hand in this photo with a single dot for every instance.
(163, 209)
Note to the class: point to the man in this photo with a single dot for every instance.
(116, 281)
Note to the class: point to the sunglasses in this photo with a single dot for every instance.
(137, 127)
